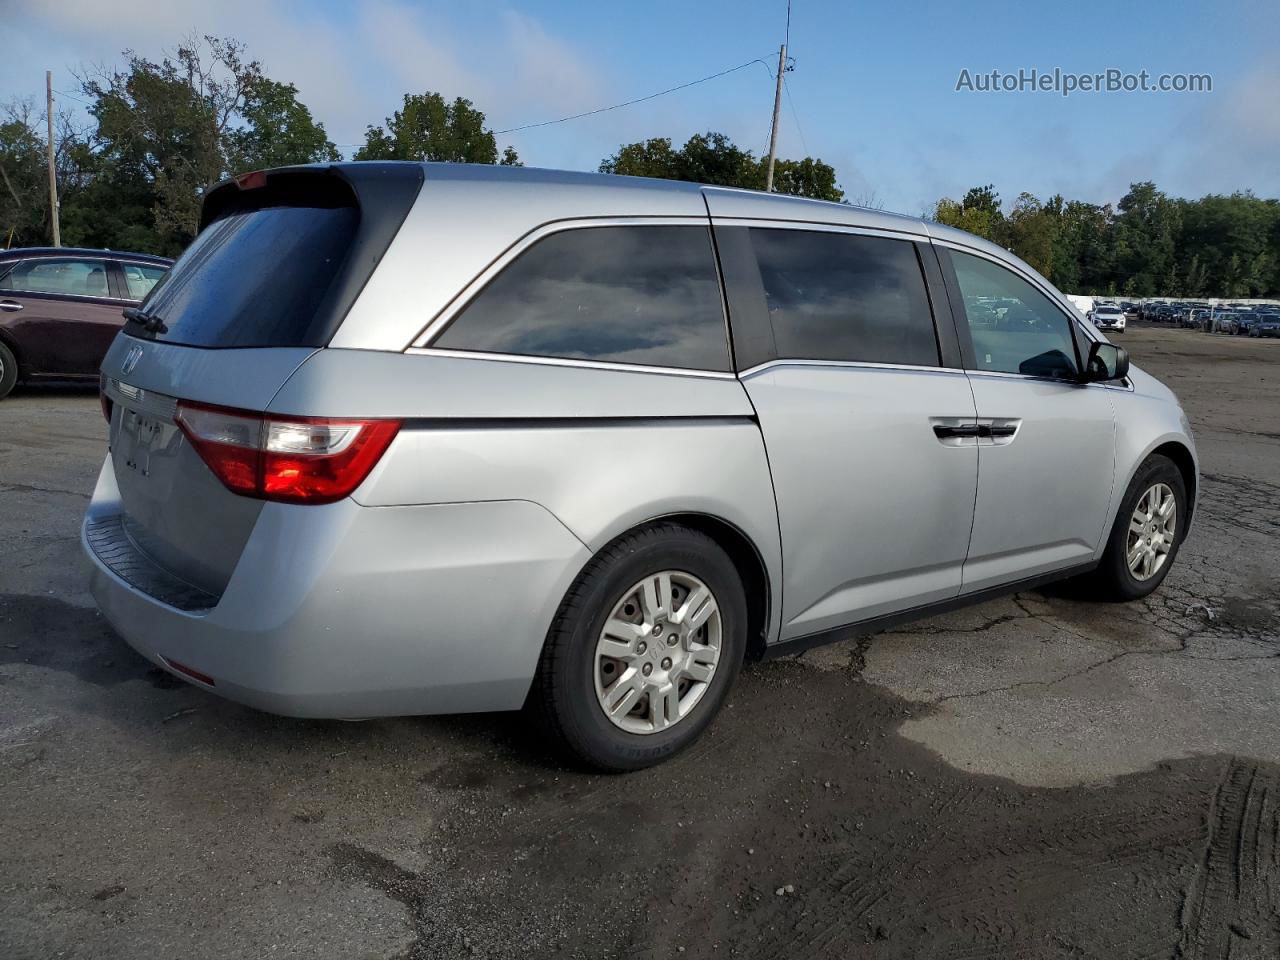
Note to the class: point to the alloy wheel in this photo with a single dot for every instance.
(1152, 529)
(657, 654)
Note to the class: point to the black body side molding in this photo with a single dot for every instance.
(861, 628)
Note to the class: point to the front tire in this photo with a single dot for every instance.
(8, 371)
(643, 650)
(1147, 532)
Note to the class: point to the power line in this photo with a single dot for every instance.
(72, 96)
(794, 115)
(652, 96)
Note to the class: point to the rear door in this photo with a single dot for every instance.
(864, 411)
(1046, 459)
(62, 314)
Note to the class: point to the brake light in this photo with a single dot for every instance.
(290, 459)
(254, 180)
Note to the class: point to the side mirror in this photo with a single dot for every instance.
(1106, 362)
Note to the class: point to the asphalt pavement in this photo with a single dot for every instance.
(1039, 776)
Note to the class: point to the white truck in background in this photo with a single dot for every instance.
(1082, 303)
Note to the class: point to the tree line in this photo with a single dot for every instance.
(161, 133)
(1149, 244)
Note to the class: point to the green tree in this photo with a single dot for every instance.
(978, 213)
(1216, 228)
(24, 191)
(162, 124)
(1082, 252)
(1033, 232)
(714, 159)
(1147, 228)
(804, 178)
(24, 176)
(1151, 245)
(278, 130)
(428, 128)
(167, 131)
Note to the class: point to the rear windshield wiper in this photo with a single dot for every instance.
(149, 322)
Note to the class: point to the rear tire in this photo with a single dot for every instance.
(8, 371)
(1116, 578)
(585, 665)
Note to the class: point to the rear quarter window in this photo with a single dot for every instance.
(645, 295)
(141, 278)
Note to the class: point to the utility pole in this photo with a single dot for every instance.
(777, 106)
(53, 177)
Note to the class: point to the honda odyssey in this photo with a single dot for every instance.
(417, 438)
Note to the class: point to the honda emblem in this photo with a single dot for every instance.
(131, 359)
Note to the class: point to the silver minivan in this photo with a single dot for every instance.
(415, 438)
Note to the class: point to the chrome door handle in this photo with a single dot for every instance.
(10, 306)
(982, 431)
(956, 432)
(998, 431)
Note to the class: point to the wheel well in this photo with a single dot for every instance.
(7, 340)
(750, 565)
(1182, 459)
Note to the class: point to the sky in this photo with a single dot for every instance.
(872, 92)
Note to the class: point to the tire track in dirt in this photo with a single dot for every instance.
(851, 891)
(1232, 908)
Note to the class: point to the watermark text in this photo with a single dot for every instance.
(1066, 83)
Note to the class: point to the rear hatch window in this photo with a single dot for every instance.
(279, 260)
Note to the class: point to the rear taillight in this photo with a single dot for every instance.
(292, 459)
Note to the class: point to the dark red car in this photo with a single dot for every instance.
(60, 308)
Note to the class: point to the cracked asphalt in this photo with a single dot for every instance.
(1039, 776)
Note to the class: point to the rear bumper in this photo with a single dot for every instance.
(351, 611)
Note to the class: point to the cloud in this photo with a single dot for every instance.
(1232, 141)
(351, 66)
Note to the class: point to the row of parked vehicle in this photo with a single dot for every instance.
(1236, 319)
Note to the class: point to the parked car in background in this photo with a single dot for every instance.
(1267, 325)
(60, 308)
(1245, 321)
(1198, 318)
(1226, 321)
(1130, 309)
(1106, 317)
(592, 459)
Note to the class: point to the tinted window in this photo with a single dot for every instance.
(255, 278)
(835, 296)
(84, 278)
(646, 295)
(1015, 327)
(140, 278)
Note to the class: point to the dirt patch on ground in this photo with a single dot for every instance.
(814, 830)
